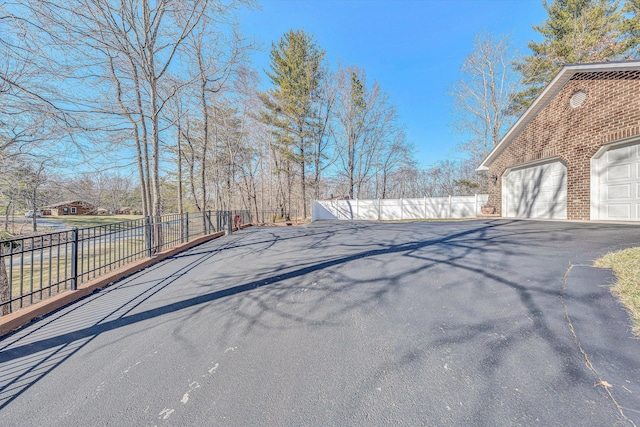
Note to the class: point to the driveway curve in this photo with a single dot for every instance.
(483, 322)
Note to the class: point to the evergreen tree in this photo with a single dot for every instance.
(631, 27)
(296, 72)
(577, 31)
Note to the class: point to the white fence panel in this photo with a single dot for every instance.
(322, 210)
(389, 209)
(437, 207)
(462, 207)
(413, 208)
(399, 209)
(368, 210)
(343, 209)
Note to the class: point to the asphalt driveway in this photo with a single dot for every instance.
(494, 322)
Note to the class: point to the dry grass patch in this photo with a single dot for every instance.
(626, 266)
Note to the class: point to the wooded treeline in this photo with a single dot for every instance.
(166, 88)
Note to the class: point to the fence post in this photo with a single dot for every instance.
(379, 210)
(148, 235)
(229, 224)
(181, 230)
(425, 207)
(186, 228)
(401, 209)
(450, 210)
(476, 207)
(74, 259)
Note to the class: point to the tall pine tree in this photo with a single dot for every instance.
(631, 27)
(577, 31)
(296, 72)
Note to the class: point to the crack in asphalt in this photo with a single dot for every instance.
(601, 382)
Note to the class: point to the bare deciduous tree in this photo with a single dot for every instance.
(366, 122)
(483, 94)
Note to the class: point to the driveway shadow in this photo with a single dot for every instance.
(372, 264)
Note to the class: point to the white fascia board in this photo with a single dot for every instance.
(563, 76)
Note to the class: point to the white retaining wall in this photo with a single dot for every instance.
(394, 209)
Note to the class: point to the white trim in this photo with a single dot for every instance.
(615, 144)
(594, 193)
(534, 163)
(567, 72)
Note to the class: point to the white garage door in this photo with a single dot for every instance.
(618, 175)
(538, 191)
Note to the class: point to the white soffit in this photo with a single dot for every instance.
(565, 74)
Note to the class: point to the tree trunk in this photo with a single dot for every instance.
(4, 284)
(351, 164)
(34, 217)
(303, 184)
(205, 137)
(180, 201)
(6, 216)
(156, 198)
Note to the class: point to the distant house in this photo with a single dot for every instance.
(72, 207)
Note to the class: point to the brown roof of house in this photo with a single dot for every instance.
(67, 203)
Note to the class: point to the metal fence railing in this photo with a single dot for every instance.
(38, 267)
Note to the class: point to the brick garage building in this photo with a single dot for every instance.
(71, 207)
(575, 153)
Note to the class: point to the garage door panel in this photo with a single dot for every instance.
(544, 196)
(618, 172)
(536, 192)
(619, 212)
(618, 192)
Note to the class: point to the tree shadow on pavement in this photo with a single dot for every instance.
(342, 268)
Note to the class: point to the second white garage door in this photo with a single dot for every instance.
(616, 175)
(538, 191)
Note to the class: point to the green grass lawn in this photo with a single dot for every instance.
(626, 266)
(82, 221)
(52, 267)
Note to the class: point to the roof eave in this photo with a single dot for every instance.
(563, 76)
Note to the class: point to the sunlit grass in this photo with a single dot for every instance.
(81, 221)
(626, 266)
(48, 274)
(40, 266)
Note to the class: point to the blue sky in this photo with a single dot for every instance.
(413, 48)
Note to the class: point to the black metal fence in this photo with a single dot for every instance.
(38, 267)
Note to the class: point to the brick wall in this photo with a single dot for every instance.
(610, 112)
